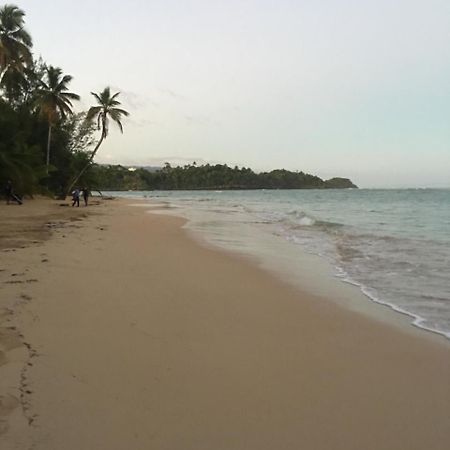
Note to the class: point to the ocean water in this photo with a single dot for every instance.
(393, 244)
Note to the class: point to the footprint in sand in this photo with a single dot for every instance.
(32, 352)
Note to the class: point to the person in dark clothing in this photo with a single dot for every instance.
(10, 195)
(76, 197)
(85, 196)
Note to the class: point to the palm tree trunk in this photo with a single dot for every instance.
(69, 190)
(48, 146)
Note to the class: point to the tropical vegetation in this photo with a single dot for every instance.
(218, 176)
(45, 147)
(105, 110)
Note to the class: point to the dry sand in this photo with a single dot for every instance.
(120, 332)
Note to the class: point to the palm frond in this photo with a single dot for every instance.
(65, 80)
(97, 97)
(122, 112)
(93, 111)
(23, 36)
(119, 123)
(106, 110)
(71, 95)
(53, 97)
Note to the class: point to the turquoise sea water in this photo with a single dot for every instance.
(394, 244)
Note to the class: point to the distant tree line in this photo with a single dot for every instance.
(44, 147)
(218, 176)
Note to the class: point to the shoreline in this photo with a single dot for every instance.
(339, 289)
(138, 336)
(353, 295)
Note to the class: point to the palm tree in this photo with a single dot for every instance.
(102, 113)
(54, 100)
(15, 42)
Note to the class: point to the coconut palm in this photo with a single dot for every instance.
(15, 42)
(54, 100)
(106, 110)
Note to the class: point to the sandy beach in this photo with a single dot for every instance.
(119, 331)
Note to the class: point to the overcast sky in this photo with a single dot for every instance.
(353, 88)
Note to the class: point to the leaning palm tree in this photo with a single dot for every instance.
(106, 110)
(54, 100)
(15, 42)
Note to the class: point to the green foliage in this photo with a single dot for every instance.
(105, 110)
(36, 118)
(218, 176)
(116, 177)
(54, 99)
(81, 133)
(20, 155)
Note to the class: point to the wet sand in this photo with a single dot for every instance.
(120, 331)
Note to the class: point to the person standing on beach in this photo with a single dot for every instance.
(85, 196)
(76, 197)
(9, 191)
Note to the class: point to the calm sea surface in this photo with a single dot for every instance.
(394, 244)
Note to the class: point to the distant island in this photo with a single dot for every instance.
(207, 177)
